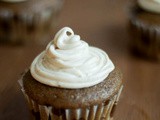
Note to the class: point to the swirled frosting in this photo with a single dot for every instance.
(69, 62)
(150, 5)
(12, 1)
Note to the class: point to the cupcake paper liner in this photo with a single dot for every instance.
(145, 37)
(103, 111)
(28, 27)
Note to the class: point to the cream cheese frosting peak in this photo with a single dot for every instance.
(69, 62)
(150, 5)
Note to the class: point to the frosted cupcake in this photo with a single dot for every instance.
(145, 28)
(28, 21)
(71, 80)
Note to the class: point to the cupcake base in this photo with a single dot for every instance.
(145, 33)
(52, 103)
(103, 111)
(28, 22)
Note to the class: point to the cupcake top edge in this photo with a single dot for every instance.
(150, 5)
(69, 62)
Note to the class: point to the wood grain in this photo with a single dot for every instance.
(103, 24)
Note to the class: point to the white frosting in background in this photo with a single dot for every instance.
(12, 1)
(150, 5)
(69, 62)
(158, 1)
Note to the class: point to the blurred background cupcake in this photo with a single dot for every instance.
(28, 21)
(145, 28)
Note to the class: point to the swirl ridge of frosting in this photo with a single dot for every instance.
(69, 62)
(150, 5)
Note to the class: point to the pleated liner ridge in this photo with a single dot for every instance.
(103, 111)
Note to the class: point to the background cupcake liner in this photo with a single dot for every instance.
(145, 38)
(23, 27)
(103, 111)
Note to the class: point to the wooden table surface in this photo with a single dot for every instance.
(102, 23)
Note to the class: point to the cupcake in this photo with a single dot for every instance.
(71, 80)
(28, 21)
(145, 28)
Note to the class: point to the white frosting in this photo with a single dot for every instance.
(12, 1)
(69, 62)
(150, 5)
(158, 1)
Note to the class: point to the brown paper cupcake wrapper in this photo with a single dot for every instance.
(145, 38)
(24, 27)
(103, 111)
